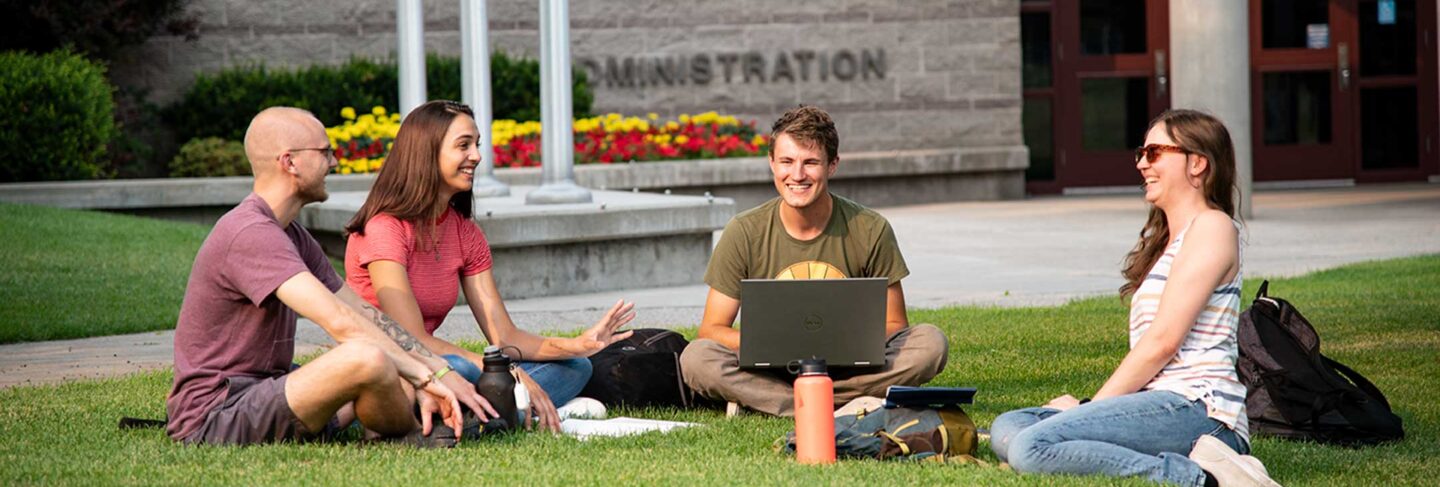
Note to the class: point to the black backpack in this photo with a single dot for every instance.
(642, 371)
(1294, 392)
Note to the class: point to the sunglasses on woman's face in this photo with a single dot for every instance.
(1152, 152)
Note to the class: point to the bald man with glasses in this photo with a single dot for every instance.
(256, 272)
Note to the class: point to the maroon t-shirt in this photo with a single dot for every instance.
(231, 323)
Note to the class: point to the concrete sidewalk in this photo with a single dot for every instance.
(1040, 251)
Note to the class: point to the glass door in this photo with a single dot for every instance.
(1112, 80)
(1343, 89)
(1396, 109)
(1301, 53)
(1037, 77)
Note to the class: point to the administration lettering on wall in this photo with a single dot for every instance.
(797, 66)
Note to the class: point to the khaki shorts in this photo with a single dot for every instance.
(255, 411)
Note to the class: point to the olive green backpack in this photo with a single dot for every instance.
(902, 433)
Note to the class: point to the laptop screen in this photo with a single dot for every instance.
(839, 320)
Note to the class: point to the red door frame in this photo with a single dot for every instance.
(1424, 81)
(1074, 166)
(1341, 158)
(1317, 161)
(1049, 93)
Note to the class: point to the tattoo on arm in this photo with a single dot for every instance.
(404, 339)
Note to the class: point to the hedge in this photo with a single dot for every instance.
(59, 117)
(222, 104)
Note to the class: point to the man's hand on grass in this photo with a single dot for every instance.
(465, 393)
(435, 397)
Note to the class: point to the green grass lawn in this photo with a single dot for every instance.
(1381, 318)
(75, 274)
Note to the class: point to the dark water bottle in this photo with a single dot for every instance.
(497, 386)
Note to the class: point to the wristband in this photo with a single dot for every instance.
(441, 373)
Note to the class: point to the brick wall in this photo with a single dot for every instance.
(897, 74)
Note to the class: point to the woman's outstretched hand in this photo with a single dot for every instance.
(604, 332)
(1063, 402)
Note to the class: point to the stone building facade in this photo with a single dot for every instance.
(930, 74)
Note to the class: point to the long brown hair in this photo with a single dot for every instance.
(1200, 134)
(410, 180)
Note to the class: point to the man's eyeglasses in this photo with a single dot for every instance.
(1152, 152)
(327, 151)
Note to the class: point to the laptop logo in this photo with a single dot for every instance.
(813, 323)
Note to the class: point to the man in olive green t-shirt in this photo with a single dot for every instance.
(805, 233)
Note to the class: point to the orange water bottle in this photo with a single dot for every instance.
(814, 414)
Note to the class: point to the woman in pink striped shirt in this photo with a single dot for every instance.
(412, 245)
(1173, 411)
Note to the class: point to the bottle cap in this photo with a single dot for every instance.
(813, 366)
(493, 355)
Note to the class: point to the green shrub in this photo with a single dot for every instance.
(58, 117)
(222, 104)
(208, 157)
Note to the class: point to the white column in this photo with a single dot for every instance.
(1210, 71)
(410, 31)
(475, 91)
(557, 139)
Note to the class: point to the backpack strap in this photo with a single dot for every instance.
(1359, 380)
(1264, 291)
(904, 447)
(127, 422)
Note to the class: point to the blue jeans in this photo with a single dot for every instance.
(1146, 434)
(562, 380)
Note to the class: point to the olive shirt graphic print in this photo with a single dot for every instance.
(811, 269)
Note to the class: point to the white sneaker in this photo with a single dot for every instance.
(1228, 467)
(1254, 462)
(582, 408)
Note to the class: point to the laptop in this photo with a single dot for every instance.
(839, 320)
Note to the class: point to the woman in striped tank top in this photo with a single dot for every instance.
(1173, 411)
(413, 248)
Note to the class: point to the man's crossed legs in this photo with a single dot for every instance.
(913, 356)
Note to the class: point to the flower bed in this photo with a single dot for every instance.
(361, 142)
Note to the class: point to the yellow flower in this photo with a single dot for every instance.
(682, 139)
(347, 113)
(379, 111)
(759, 140)
(652, 116)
